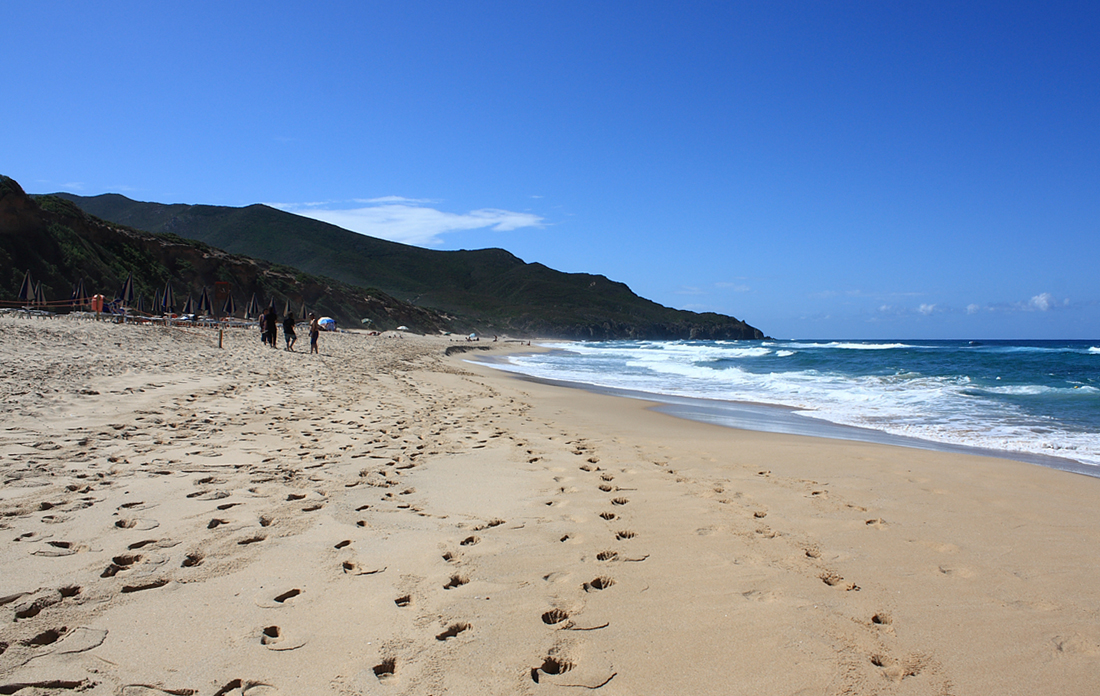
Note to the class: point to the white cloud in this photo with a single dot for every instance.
(395, 199)
(401, 219)
(1041, 302)
(926, 309)
(973, 309)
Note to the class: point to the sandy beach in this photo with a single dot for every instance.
(177, 518)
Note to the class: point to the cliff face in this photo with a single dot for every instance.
(60, 244)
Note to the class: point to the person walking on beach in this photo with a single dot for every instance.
(272, 326)
(288, 331)
(263, 328)
(314, 332)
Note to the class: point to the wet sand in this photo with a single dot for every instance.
(175, 518)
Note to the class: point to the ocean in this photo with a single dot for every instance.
(1037, 401)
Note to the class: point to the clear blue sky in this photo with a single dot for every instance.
(819, 169)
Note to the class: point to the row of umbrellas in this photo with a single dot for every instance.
(163, 302)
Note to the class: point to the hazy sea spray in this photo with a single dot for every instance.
(1033, 397)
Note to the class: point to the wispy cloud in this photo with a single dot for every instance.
(688, 290)
(926, 309)
(409, 220)
(736, 287)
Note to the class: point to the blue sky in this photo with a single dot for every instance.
(818, 169)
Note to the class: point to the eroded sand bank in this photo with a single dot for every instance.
(382, 519)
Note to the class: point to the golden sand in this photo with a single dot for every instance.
(381, 519)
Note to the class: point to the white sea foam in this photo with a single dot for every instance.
(853, 345)
(949, 409)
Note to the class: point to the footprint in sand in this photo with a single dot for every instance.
(274, 638)
(145, 586)
(456, 580)
(453, 630)
(554, 616)
(601, 583)
(386, 669)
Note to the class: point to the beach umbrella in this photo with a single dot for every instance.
(126, 294)
(189, 306)
(303, 315)
(156, 303)
(140, 304)
(39, 294)
(204, 307)
(168, 300)
(80, 295)
(272, 305)
(26, 290)
(230, 307)
(253, 310)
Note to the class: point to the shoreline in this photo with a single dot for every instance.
(776, 418)
(381, 518)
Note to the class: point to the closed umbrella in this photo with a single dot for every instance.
(204, 308)
(126, 294)
(253, 309)
(230, 307)
(80, 295)
(168, 299)
(26, 290)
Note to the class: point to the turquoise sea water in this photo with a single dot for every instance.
(1015, 397)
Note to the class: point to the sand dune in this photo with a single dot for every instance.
(381, 519)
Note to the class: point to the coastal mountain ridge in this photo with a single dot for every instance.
(287, 258)
(60, 244)
(491, 289)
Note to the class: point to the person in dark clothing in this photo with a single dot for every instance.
(263, 328)
(272, 324)
(288, 331)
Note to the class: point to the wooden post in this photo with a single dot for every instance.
(220, 333)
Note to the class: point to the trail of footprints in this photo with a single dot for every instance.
(299, 477)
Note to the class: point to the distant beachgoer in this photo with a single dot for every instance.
(314, 332)
(272, 325)
(288, 331)
(263, 328)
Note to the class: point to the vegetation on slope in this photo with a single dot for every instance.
(59, 243)
(491, 288)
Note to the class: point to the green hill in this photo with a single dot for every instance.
(490, 288)
(59, 244)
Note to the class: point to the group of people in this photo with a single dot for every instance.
(269, 322)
